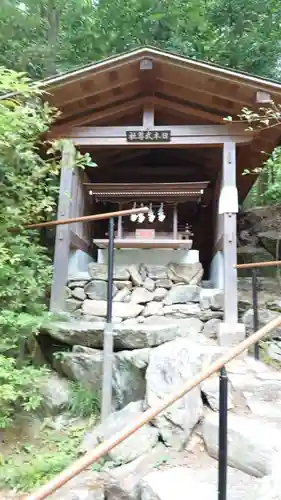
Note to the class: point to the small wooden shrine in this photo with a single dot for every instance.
(165, 225)
(154, 124)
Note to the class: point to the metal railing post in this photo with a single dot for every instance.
(222, 469)
(108, 330)
(255, 308)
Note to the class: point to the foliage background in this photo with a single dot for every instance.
(43, 37)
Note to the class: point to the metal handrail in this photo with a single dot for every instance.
(255, 266)
(85, 218)
(252, 265)
(89, 458)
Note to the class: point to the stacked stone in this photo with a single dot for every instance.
(154, 355)
(143, 294)
(161, 312)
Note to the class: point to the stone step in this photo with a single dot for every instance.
(252, 442)
(164, 474)
(131, 335)
(200, 484)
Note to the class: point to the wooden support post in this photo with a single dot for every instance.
(175, 222)
(119, 224)
(230, 273)
(62, 243)
(228, 211)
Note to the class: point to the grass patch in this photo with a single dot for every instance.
(84, 402)
(274, 363)
(29, 467)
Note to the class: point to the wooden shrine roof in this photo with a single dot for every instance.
(183, 92)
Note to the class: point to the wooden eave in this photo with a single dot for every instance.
(183, 92)
(180, 191)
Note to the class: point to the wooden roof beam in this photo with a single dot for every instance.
(176, 130)
(148, 115)
(123, 109)
(110, 101)
(147, 76)
(100, 92)
(206, 89)
(187, 110)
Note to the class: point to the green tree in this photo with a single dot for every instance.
(45, 36)
(27, 193)
(246, 34)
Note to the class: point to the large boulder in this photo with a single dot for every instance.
(211, 299)
(71, 305)
(99, 272)
(252, 443)
(208, 314)
(274, 305)
(273, 350)
(182, 294)
(87, 333)
(177, 482)
(269, 240)
(141, 296)
(260, 389)
(79, 278)
(86, 486)
(124, 482)
(129, 335)
(135, 275)
(137, 336)
(78, 293)
(264, 317)
(164, 283)
(123, 295)
(97, 290)
(159, 294)
(185, 273)
(170, 365)
(270, 486)
(119, 309)
(123, 284)
(83, 365)
(211, 390)
(55, 393)
(153, 309)
(248, 254)
(187, 327)
(156, 272)
(149, 284)
(211, 328)
(139, 443)
(182, 310)
(129, 376)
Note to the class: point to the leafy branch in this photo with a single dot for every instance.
(264, 118)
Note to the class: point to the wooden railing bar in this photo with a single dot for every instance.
(82, 463)
(85, 218)
(251, 265)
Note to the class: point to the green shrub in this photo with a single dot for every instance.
(28, 192)
(19, 389)
(30, 467)
(84, 402)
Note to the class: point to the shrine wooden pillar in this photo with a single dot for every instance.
(62, 243)
(230, 332)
